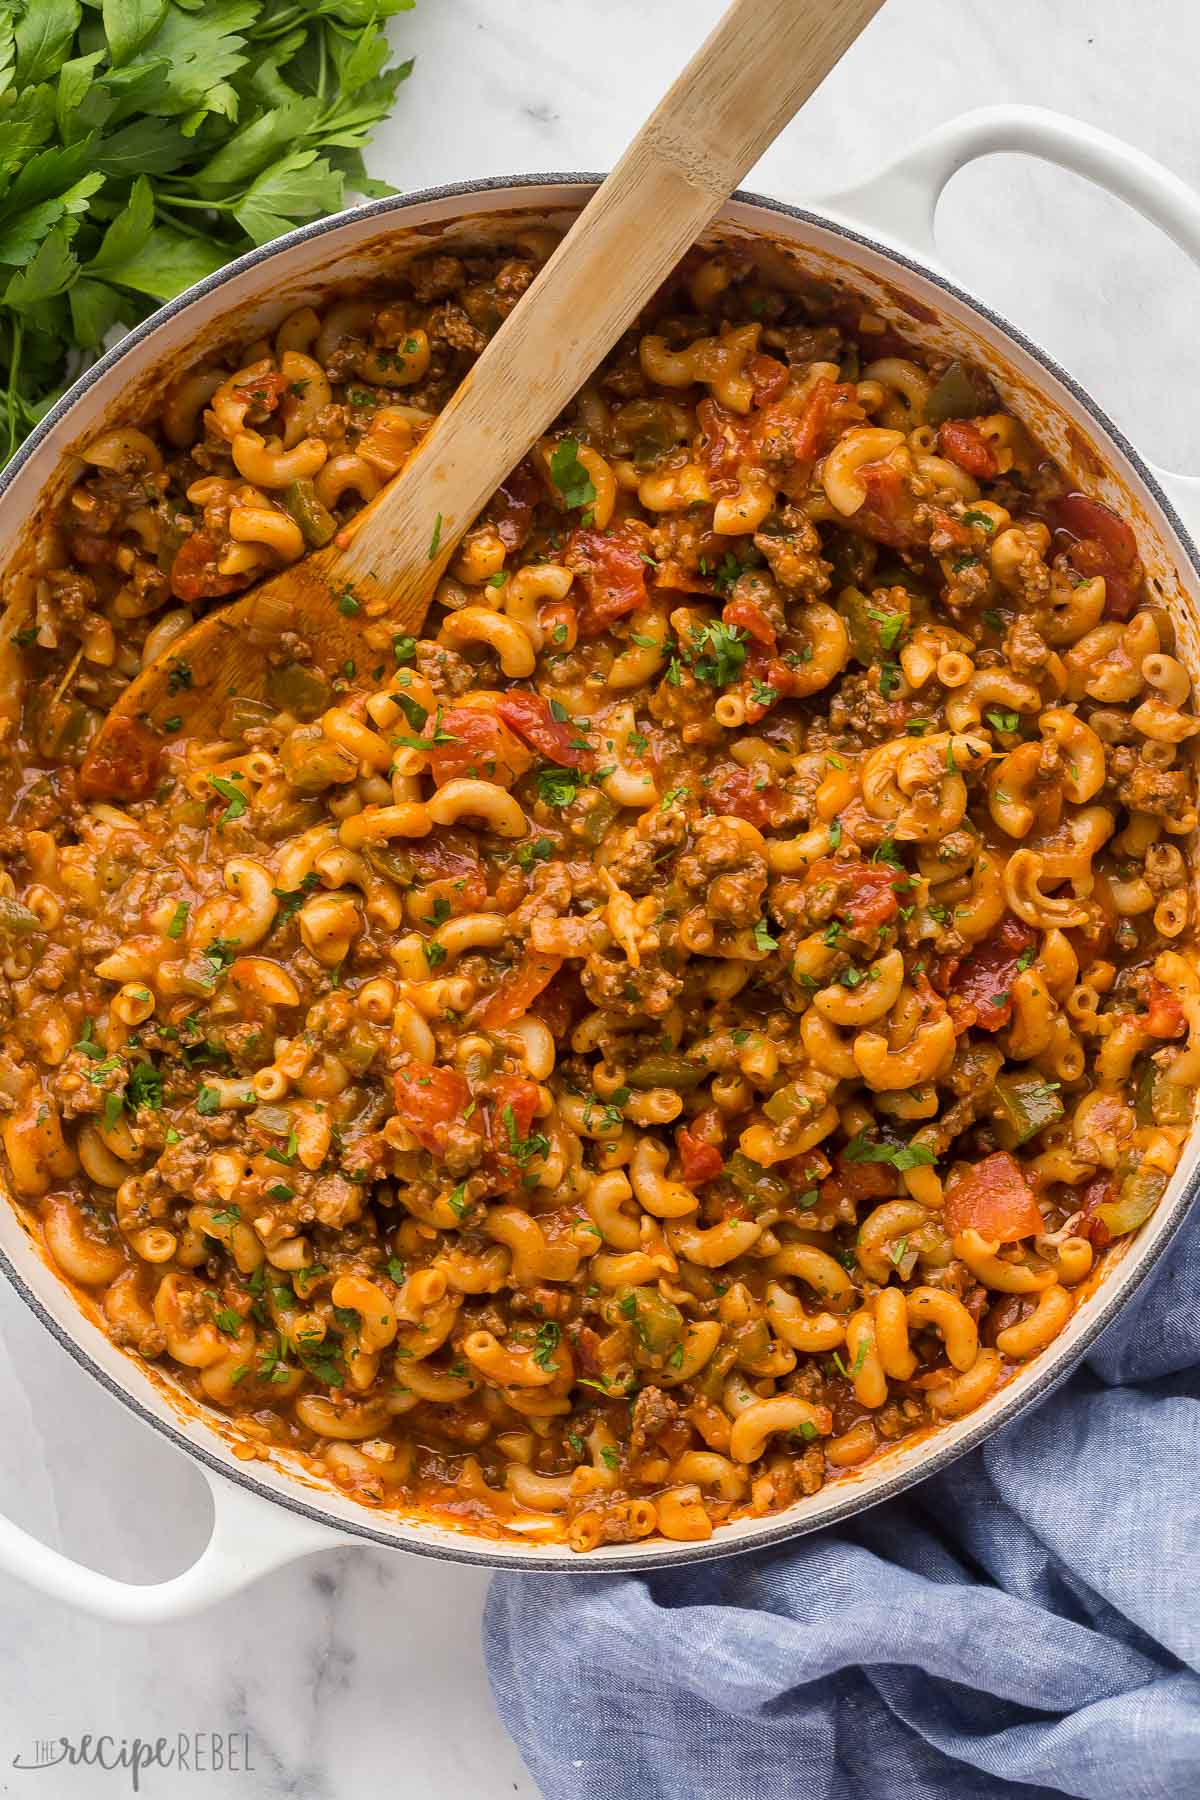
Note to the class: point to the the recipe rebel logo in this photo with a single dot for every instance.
(200, 1753)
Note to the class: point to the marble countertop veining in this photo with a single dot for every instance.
(361, 1670)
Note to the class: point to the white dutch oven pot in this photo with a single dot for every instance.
(879, 237)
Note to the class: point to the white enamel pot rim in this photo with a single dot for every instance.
(883, 230)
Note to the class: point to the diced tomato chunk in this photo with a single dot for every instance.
(611, 573)
(1099, 542)
(980, 985)
(725, 445)
(1085, 518)
(194, 572)
(965, 445)
(443, 867)
(558, 739)
(508, 1111)
(123, 762)
(866, 892)
(748, 615)
(872, 900)
(736, 791)
(430, 1098)
(1164, 1017)
(995, 1200)
(888, 514)
(515, 1093)
(469, 741)
(265, 392)
(672, 577)
(857, 1181)
(698, 1161)
(768, 378)
(517, 991)
(811, 432)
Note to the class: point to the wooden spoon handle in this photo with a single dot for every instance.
(745, 82)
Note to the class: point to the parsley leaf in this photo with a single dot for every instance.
(558, 787)
(145, 143)
(717, 653)
(569, 475)
(762, 936)
(144, 1087)
(545, 1344)
(229, 791)
(901, 1156)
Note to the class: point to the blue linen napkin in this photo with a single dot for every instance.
(1025, 1624)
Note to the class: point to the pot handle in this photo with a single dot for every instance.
(899, 203)
(249, 1538)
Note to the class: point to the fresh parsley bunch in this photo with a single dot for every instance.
(143, 143)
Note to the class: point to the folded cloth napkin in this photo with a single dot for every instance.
(1026, 1623)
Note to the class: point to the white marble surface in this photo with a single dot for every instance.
(358, 1671)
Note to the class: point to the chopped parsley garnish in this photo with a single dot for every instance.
(436, 540)
(558, 787)
(292, 899)
(348, 602)
(762, 936)
(178, 919)
(144, 1087)
(891, 628)
(717, 653)
(545, 1343)
(522, 1149)
(569, 475)
(86, 1044)
(229, 791)
(728, 573)
(208, 1101)
(540, 850)
(860, 1149)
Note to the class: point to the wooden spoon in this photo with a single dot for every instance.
(762, 61)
